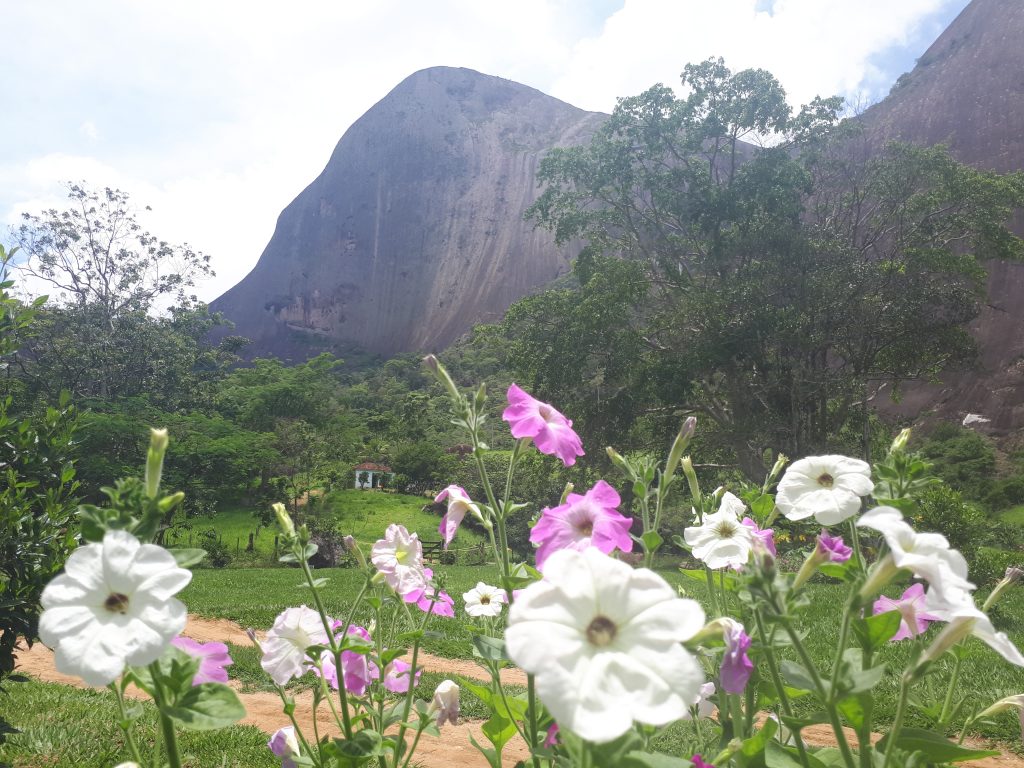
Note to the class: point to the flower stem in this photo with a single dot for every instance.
(823, 694)
(402, 728)
(711, 590)
(531, 716)
(897, 723)
(780, 686)
(125, 723)
(855, 538)
(947, 703)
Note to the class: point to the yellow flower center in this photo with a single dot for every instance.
(725, 529)
(601, 631)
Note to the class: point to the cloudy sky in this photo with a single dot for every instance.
(216, 113)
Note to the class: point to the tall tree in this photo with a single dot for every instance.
(755, 265)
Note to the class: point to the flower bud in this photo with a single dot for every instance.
(158, 441)
(284, 521)
(691, 479)
(1013, 577)
(620, 462)
(680, 444)
(899, 444)
(1010, 702)
(304, 534)
(880, 575)
(565, 493)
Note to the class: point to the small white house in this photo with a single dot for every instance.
(369, 475)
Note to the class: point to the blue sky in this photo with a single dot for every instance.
(217, 114)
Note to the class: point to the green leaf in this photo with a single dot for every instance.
(359, 750)
(796, 676)
(490, 648)
(498, 731)
(186, 558)
(637, 759)
(934, 746)
(875, 631)
(206, 707)
(777, 756)
(652, 540)
(854, 709)
(762, 507)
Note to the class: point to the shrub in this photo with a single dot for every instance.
(217, 553)
(1006, 493)
(964, 459)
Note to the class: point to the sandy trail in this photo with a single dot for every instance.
(453, 748)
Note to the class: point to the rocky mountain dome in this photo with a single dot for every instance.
(414, 231)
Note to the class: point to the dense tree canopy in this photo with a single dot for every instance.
(767, 269)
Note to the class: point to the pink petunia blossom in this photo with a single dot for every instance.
(832, 549)
(551, 739)
(284, 744)
(763, 537)
(698, 762)
(396, 676)
(422, 597)
(357, 671)
(552, 433)
(736, 664)
(911, 606)
(591, 520)
(213, 659)
(459, 504)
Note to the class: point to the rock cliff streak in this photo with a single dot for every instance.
(414, 231)
(967, 91)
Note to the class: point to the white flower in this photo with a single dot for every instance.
(927, 555)
(957, 607)
(722, 540)
(484, 600)
(828, 487)
(284, 744)
(399, 557)
(446, 703)
(284, 648)
(706, 707)
(604, 643)
(113, 605)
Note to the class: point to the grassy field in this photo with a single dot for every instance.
(363, 514)
(64, 727)
(1014, 515)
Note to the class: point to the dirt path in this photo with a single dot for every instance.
(452, 749)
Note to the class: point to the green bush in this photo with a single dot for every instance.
(1006, 493)
(964, 459)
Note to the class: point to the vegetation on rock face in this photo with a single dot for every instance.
(773, 289)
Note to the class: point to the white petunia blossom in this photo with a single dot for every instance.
(446, 703)
(722, 541)
(484, 600)
(927, 555)
(284, 648)
(965, 618)
(399, 559)
(827, 487)
(113, 606)
(604, 642)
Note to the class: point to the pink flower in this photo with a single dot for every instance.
(423, 598)
(213, 659)
(357, 671)
(736, 664)
(396, 676)
(763, 537)
(399, 557)
(584, 521)
(458, 504)
(698, 762)
(551, 432)
(551, 740)
(832, 549)
(911, 608)
(284, 744)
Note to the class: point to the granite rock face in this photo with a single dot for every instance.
(967, 91)
(414, 231)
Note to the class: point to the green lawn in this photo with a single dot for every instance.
(985, 676)
(1013, 515)
(363, 514)
(63, 727)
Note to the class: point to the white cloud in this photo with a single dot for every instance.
(218, 114)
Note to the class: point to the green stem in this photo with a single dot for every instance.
(126, 724)
(403, 727)
(511, 471)
(780, 687)
(823, 694)
(855, 538)
(711, 590)
(531, 715)
(412, 749)
(897, 723)
(947, 703)
(289, 709)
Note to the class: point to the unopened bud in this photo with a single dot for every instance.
(284, 521)
(618, 460)
(900, 442)
(435, 367)
(1012, 577)
(565, 493)
(691, 479)
(158, 441)
(304, 534)
(680, 444)
(349, 542)
(1014, 574)
(780, 461)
